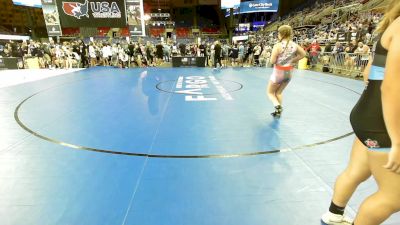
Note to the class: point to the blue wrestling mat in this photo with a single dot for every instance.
(189, 146)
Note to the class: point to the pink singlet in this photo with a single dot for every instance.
(283, 69)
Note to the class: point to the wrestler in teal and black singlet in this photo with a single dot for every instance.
(367, 116)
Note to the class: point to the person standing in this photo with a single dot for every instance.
(92, 55)
(376, 150)
(257, 52)
(363, 52)
(217, 54)
(182, 48)
(225, 54)
(241, 54)
(159, 53)
(234, 54)
(104, 54)
(284, 54)
(249, 54)
(314, 50)
(167, 51)
(149, 54)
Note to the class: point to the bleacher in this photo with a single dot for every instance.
(311, 13)
(4, 30)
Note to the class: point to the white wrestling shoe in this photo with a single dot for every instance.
(335, 219)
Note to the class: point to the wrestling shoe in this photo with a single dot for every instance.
(276, 114)
(335, 219)
(278, 111)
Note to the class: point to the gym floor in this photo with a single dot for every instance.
(173, 146)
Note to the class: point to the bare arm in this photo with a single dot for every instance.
(300, 54)
(391, 97)
(274, 55)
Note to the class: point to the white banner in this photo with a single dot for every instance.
(51, 18)
(135, 13)
(227, 4)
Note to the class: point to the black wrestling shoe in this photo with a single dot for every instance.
(278, 108)
(276, 114)
(278, 111)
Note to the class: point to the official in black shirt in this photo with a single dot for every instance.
(182, 48)
(202, 49)
(217, 54)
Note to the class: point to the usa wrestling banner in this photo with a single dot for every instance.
(135, 17)
(51, 18)
(92, 13)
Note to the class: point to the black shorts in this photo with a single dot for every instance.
(367, 118)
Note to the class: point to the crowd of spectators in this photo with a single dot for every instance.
(75, 54)
(356, 29)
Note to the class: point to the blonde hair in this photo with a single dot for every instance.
(392, 13)
(286, 32)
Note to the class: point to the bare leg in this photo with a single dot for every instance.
(356, 172)
(278, 93)
(271, 92)
(386, 201)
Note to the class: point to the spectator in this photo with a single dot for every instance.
(363, 56)
(257, 53)
(182, 48)
(159, 53)
(217, 54)
(314, 50)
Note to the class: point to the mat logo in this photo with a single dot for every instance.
(98, 9)
(193, 87)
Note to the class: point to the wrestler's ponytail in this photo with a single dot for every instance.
(286, 32)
